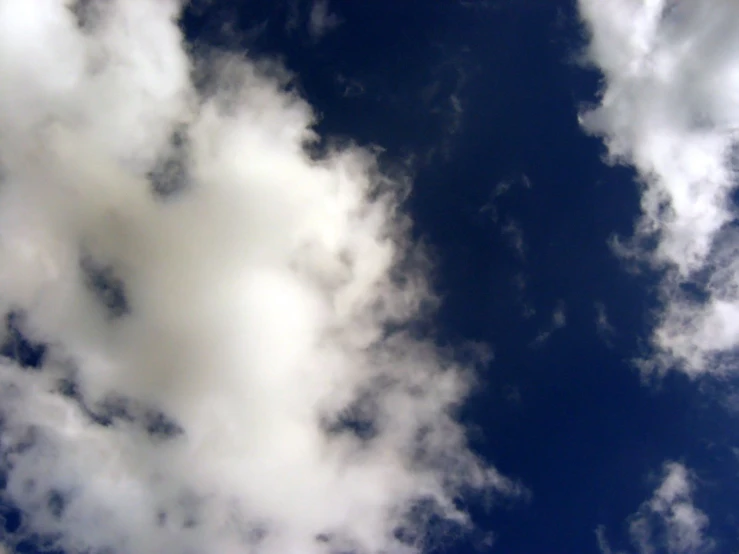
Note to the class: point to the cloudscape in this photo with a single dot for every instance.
(325, 277)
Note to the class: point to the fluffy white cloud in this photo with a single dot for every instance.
(227, 367)
(668, 522)
(670, 108)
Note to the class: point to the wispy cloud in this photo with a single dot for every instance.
(443, 99)
(514, 397)
(500, 190)
(514, 234)
(350, 88)
(603, 326)
(559, 321)
(604, 546)
(321, 21)
(670, 108)
(668, 522)
(519, 282)
(225, 366)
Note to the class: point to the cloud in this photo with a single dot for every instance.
(559, 320)
(520, 283)
(670, 108)
(292, 19)
(321, 20)
(442, 102)
(501, 189)
(207, 319)
(604, 546)
(350, 88)
(514, 234)
(668, 522)
(513, 395)
(603, 326)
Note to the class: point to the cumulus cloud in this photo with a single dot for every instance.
(668, 522)
(207, 339)
(670, 108)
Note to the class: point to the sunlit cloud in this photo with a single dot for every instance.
(668, 521)
(670, 108)
(212, 319)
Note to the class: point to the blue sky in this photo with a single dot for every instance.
(325, 276)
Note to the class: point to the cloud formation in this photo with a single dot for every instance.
(669, 107)
(603, 326)
(559, 321)
(668, 522)
(513, 232)
(218, 314)
(321, 20)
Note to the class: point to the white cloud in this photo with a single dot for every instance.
(321, 20)
(668, 522)
(250, 289)
(670, 108)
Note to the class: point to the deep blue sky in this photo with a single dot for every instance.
(570, 416)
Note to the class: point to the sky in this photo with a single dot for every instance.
(322, 277)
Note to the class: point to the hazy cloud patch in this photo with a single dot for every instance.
(603, 326)
(321, 21)
(667, 522)
(558, 321)
(513, 232)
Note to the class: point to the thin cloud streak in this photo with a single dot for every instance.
(603, 326)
